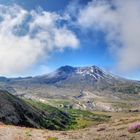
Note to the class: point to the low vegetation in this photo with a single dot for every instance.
(57, 119)
(52, 138)
(127, 89)
(77, 118)
(86, 118)
(134, 128)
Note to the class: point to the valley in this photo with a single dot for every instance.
(83, 103)
(69, 69)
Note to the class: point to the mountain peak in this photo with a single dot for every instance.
(92, 71)
(71, 68)
(66, 69)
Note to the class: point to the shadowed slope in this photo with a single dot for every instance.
(18, 112)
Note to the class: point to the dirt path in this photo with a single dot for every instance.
(116, 129)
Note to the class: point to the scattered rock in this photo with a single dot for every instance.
(101, 129)
(123, 135)
(135, 110)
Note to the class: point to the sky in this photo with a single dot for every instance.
(38, 36)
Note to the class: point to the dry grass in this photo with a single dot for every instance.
(115, 129)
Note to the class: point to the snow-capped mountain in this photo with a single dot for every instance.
(68, 78)
(92, 73)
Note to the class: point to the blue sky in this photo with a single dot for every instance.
(38, 36)
(51, 5)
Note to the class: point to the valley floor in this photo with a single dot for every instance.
(115, 129)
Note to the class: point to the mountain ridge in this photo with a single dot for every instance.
(90, 78)
(66, 68)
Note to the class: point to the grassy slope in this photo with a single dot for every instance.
(15, 111)
(57, 119)
(79, 118)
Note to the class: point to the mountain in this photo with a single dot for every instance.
(87, 78)
(87, 75)
(66, 73)
(92, 73)
(73, 82)
(16, 111)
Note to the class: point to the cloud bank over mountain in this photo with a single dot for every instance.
(29, 36)
(120, 21)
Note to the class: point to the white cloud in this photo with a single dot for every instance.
(97, 15)
(120, 19)
(26, 37)
(67, 35)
